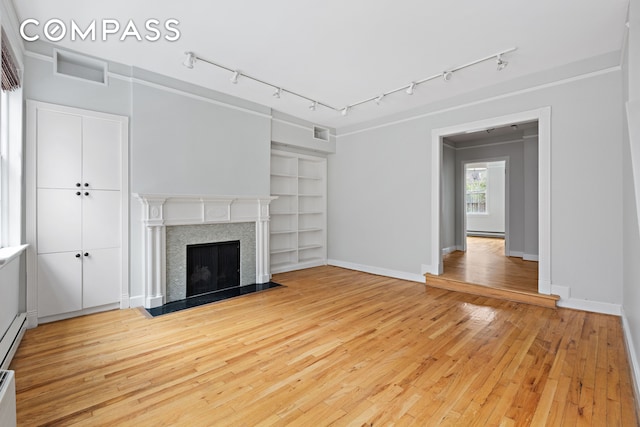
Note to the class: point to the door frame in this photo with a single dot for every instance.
(543, 116)
(460, 192)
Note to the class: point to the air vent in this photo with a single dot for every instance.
(79, 67)
(320, 133)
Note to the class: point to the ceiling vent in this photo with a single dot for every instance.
(79, 67)
(320, 133)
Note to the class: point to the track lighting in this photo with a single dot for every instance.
(190, 60)
(501, 62)
(410, 89)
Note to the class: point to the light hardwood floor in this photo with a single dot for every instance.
(484, 263)
(333, 347)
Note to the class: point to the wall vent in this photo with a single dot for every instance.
(79, 67)
(320, 133)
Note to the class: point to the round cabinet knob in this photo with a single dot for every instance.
(86, 184)
(86, 254)
(86, 193)
(78, 255)
(77, 184)
(78, 193)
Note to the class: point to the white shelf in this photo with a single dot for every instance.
(299, 222)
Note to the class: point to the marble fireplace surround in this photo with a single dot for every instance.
(162, 210)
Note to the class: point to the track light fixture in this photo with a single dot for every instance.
(501, 62)
(411, 88)
(192, 58)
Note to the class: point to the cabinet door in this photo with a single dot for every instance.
(100, 277)
(101, 155)
(59, 283)
(101, 219)
(59, 150)
(59, 220)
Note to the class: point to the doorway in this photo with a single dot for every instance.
(542, 117)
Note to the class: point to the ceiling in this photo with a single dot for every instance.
(340, 52)
(482, 136)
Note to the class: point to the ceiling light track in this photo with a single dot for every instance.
(446, 75)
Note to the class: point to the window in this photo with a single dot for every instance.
(476, 189)
(10, 147)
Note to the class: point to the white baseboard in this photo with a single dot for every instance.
(377, 270)
(137, 301)
(564, 292)
(425, 268)
(92, 310)
(529, 257)
(593, 306)
(516, 254)
(448, 250)
(633, 356)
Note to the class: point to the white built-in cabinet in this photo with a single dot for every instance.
(77, 215)
(298, 229)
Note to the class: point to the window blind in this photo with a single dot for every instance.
(10, 73)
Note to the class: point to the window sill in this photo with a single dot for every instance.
(478, 213)
(9, 253)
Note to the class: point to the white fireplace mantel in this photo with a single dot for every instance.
(162, 210)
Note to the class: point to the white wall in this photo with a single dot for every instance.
(379, 203)
(631, 241)
(493, 220)
(449, 199)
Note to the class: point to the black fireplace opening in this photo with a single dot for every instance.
(212, 267)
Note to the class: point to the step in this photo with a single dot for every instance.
(488, 291)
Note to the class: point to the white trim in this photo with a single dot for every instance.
(286, 122)
(298, 266)
(490, 144)
(162, 87)
(198, 97)
(162, 210)
(485, 100)
(632, 355)
(593, 306)
(530, 257)
(424, 269)
(516, 254)
(450, 249)
(10, 252)
(137, 301)
(377, 270)
(564, 292)
(92, 310)
(543, 116)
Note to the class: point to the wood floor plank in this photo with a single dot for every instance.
(331, 347)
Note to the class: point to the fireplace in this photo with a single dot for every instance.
(212, 267)
(172, 222)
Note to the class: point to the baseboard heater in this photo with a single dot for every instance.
(11, 340)
(485, 234)
(7, 399)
